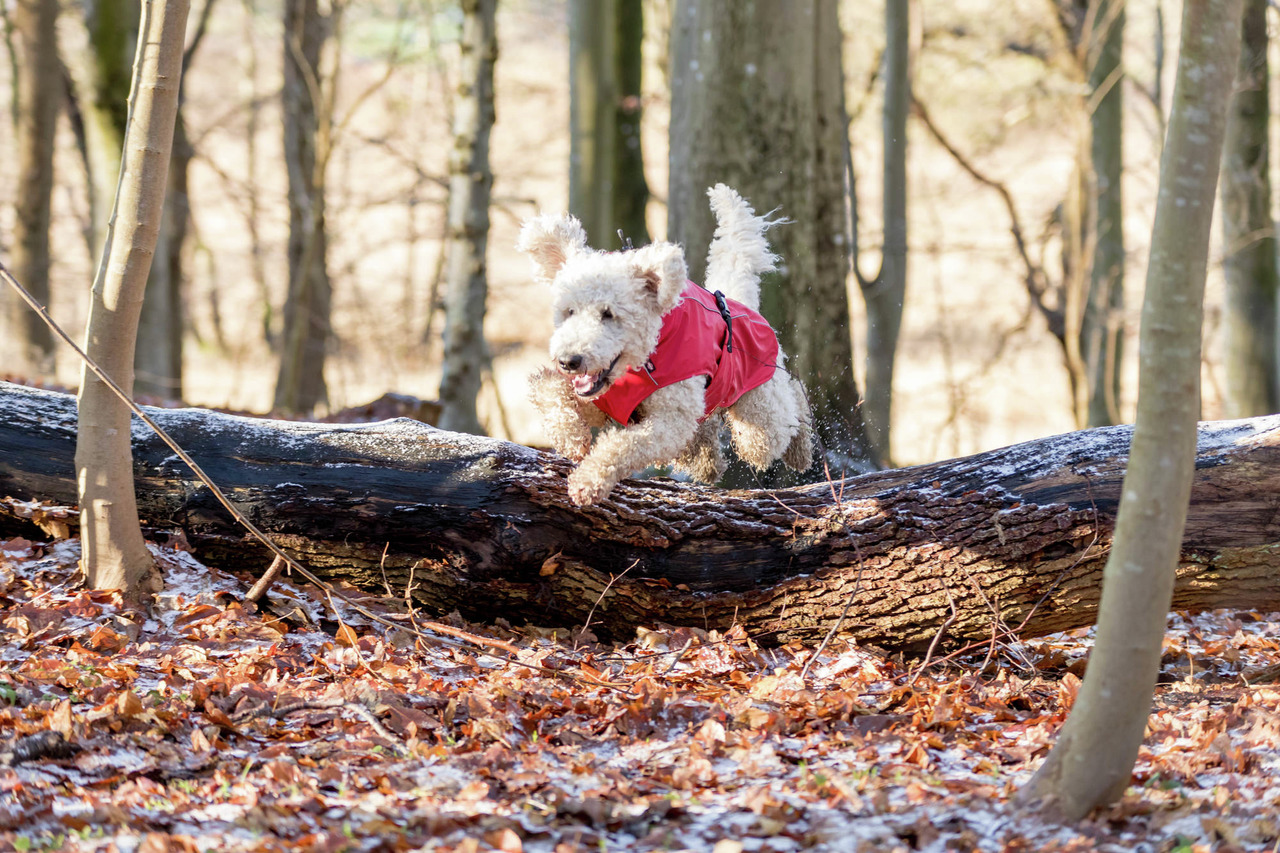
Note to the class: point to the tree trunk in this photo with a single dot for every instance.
(249, 91)
(486, 527)
(158, 361)
(630, 189)
(607, 188)
(885, 293)
(160, 333)
(101, 70)
(1103, 326)
(300, 383)
(15, 64)
(1094, 255)
(114, 554)
(470, 182)
(1092, 762)
(592, 34)
(1248, 233)
(756, 97)
(39, 97)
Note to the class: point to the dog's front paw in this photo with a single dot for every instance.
(576, 450)
(549, 392)
(585, 488)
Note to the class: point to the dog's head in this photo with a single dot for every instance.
(608, 305)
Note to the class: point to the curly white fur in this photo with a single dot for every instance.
(608, 309)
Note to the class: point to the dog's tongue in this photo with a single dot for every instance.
(584, 382)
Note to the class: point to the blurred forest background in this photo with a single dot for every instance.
(311, 179)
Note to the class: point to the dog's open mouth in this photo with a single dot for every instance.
(591, 384)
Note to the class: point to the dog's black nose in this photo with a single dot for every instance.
(571, 364)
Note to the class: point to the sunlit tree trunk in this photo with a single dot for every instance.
(885, 293)
(39, 96)
(1248, 232)
(757, 103)
(114, 553)
(300, 383)
(470, 182)
(1093, 760)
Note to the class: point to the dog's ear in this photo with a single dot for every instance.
(662, 269)
(549, 240)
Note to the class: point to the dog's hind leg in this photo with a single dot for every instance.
(764, 421)
(799, 453)
(704, 459)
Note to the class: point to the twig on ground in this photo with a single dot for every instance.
(675, 659)
(475, 639)
(839, 500)
(586, 625)
(334, 704)
(264, 583)
(804, 673)
(382, 567)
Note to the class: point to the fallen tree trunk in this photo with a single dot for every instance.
(1017, 535)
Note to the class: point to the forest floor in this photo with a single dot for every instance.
(209, 724)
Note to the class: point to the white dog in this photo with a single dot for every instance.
(667, 361)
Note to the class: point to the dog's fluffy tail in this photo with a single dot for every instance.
(739, 253)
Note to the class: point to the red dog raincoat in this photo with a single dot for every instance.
(736, 353)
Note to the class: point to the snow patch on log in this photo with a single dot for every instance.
(36, 404)
(1068, 450)
(1214, 436)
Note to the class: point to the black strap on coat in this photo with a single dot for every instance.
(728, 319)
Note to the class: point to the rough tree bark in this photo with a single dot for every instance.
(470, 185)
(485, 526)
(39, 97)
(114, 555)
(757, 102)
(1249, 234)
(1092, 762)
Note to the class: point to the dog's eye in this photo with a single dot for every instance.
(606, 314)
(568, 312)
